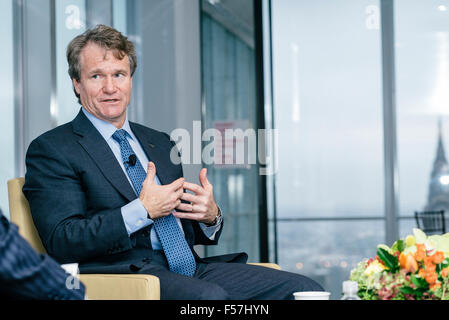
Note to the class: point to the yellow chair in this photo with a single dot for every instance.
(98, 286)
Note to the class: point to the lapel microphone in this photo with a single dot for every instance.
(132, 159)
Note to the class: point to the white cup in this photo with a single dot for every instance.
(71, 268)
(312, 295)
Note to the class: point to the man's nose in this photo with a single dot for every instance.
(109, 85)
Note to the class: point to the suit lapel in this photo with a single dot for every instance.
(98, 149)
(154, 152)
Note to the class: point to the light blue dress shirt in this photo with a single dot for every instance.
(134, 214)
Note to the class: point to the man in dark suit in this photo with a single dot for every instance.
(25, 274)
(94, 203)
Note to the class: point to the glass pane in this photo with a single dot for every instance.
(328, 111)
(70, 22)
(7, 169)
(328, 108)
(229, 96)
(422, 72)
(119, 14)
(406, 227)
(328, 251)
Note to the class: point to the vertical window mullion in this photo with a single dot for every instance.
(389, 119)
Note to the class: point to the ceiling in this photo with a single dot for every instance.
(235, 15)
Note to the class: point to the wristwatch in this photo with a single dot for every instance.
(217, 218)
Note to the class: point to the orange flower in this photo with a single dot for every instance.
(430, 268)
(431, 278)
(428, 261)
(422, 273)
(411, 264)
(420, 252)
(408, 263)
(438, 257)
(445, 272)
(435, 286)
(402, 260)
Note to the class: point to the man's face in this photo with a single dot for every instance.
(105, 84)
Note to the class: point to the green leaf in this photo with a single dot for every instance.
(390, 261)
(419, 282)
(441, 266)
(417, 293)
(407, 290)
(398, 246)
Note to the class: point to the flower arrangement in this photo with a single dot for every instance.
(416, 268)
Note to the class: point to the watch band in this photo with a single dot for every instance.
(213, 223)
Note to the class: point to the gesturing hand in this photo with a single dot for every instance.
(160, 200)
(202, 205)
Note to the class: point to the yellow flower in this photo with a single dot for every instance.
(410, 241)
(442, 243)
(374, 268)
(420, 236)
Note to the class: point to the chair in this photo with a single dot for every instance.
(431, 222)
(98, 286)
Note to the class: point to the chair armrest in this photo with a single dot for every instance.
(121, 286)
(267, 265)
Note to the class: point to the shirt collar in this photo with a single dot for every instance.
(105, 128)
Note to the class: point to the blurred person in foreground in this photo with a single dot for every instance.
(25, 274)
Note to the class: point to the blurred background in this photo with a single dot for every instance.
(357, 91)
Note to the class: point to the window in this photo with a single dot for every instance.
(228, 68)
(7, 120)
(70, 22)
(422, 82)
(327, 107)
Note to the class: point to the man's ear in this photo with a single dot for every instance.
(76, 85)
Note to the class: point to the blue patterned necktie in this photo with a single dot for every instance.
(179, 256)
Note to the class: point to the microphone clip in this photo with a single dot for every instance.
(132, 159)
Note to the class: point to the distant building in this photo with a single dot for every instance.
(438, 197)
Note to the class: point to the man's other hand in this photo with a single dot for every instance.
(202, 206)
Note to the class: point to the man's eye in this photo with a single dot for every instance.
(118, 75)
(95, 76)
